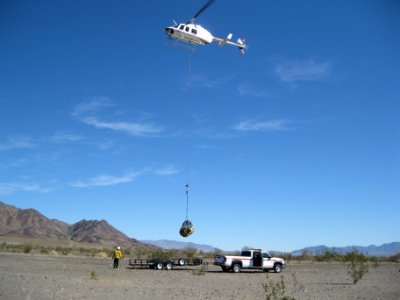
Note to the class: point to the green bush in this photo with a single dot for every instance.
(275, 290)
(27, 248)
(44, 250)
(201, 271)
(357, 266)
(190, 252)
(329, 256)
(394, 258)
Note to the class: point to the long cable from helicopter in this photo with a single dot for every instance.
(188, 129)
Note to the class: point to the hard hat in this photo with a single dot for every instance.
(118, 247)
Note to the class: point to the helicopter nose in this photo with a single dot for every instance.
(169, 30)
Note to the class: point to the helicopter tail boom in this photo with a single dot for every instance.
(240, 43)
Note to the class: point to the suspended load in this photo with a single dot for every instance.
(187, 228)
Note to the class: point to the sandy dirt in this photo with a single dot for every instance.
(24, 276)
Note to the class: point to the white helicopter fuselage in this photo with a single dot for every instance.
(195, 34)
(191, 33)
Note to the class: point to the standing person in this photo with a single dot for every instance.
(117, 254)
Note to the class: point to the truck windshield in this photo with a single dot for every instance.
(246, 253)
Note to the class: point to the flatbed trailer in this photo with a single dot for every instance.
(162, 263)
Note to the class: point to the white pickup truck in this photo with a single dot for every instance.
(250, 259)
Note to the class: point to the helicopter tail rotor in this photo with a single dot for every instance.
(243, 47)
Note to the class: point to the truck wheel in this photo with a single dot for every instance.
(160, 265)
(278, 268)
(236, 268)
(169, 265)
(181, 262)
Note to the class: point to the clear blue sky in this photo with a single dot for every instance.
(296, 143)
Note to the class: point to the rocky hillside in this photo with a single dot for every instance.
(29, 223)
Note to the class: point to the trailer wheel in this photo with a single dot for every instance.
(236, 268)
(160, 265)
(169, 265)
(181, 261)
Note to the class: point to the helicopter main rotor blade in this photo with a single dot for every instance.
(203, 9)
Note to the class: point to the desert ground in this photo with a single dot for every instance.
(30, 276)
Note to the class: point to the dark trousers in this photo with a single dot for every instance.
(116, 262)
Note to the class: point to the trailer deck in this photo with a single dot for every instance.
(162, 263)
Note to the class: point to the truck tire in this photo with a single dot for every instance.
(236, 268)
(181, 261)
(159, 265)
(169, 265)
(277, 268)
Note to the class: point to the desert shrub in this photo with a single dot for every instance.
(63, 250)
(27, 248)
(357, 266)
(93, 275)
(53, 253)
(218, 252)
(101, 254)
(275, 290)
(44, 250)
(305, 256)
(190, 252)
(375, 263)
(201, 271)
(140, 252)
(157, 253)
(329, 256)
(285, 256)
(3, 246)
(84, 250)
(108, 251)
(394, 258)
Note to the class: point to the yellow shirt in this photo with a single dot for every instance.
(117, 254)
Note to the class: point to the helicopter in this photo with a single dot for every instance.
(195, 34)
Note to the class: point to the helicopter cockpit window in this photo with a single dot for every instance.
(187, 29)
(194, 31)
(182, 27)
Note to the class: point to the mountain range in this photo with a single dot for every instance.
(171, 244)
(29, 223)
(388, 249)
